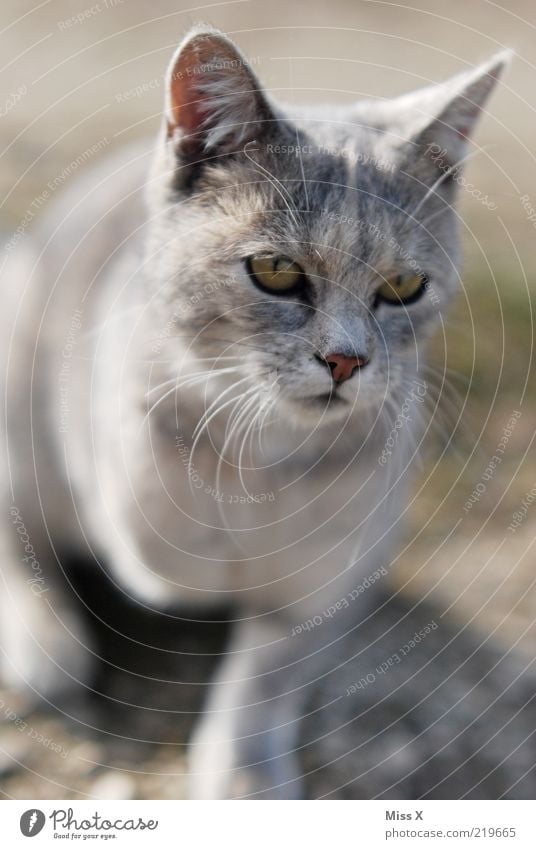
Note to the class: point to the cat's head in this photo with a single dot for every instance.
(311, 250)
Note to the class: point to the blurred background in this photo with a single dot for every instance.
(79, 76)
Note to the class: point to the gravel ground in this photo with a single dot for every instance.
(124, 738)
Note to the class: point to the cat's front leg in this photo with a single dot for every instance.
(246, 740)
(45, 650)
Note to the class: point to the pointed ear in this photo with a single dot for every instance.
(444, 116)
(214, 103)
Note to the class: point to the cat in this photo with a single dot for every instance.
(212, 352)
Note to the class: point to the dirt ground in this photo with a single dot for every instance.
(75, 74)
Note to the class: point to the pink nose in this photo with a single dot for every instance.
(342, 367)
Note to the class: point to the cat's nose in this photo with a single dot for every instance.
(342, 366)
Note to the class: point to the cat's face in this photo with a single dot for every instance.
(308, 255)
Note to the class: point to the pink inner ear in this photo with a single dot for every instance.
(182, 93)
(187, 99)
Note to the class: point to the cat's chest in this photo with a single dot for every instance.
(269, 525)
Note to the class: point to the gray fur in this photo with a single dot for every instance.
(154, 266)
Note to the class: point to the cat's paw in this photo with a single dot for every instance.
(249, 782)
(261, 782)
(247, 768)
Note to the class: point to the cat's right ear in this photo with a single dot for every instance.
(214, 104)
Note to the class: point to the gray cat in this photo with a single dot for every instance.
(213, 360)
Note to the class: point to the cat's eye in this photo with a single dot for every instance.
(402, 289)
(277, 274)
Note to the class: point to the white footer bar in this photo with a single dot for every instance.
(269, 825)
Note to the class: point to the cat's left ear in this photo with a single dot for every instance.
(214, 103)
(445, 115)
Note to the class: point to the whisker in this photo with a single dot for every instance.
(215, 402)
(193, 378)
(200, 433)
(269, 407)
(236, 401)
(227, 342)
(248, 431)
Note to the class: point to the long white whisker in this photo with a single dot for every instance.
(217, 358)
(247, 432)
(236, 414)
(269, 406)
(197, 377)
(227, 438)
(205, 425)
(242, 419)
(204, 418)
(241, 427)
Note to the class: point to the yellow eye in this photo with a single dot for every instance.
(402, 288)
(275, 273)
